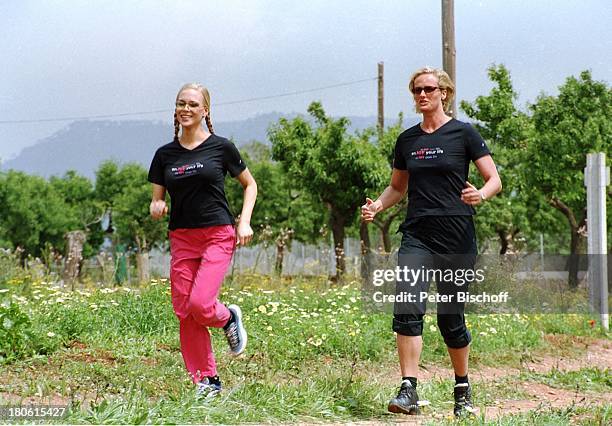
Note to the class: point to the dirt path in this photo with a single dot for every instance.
(597, 354)
(530, 395)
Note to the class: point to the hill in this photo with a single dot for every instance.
(82, 145)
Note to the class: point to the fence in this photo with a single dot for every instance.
(299, 259)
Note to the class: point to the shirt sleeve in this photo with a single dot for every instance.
(232, 161)
(156, 170)
(475, 144)
(399, 161)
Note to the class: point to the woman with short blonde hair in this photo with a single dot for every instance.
(431, 165)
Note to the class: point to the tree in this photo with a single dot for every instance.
(282, 213)
(33, 213)
(386, 146)
(85, 236)
(336, 168)
(566, 128)
(506, 130)
(134, 224)
(127, 194)
(86, 211)
(108, 185)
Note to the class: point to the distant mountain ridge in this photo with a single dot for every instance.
(83, 145)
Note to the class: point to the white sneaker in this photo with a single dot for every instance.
(206, 388)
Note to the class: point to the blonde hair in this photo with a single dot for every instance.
(444, 82)
(205, 96)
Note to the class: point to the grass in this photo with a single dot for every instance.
(585, 379)
(599, 415)
(314, 355)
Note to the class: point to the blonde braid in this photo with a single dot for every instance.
(176, 128)
(209, 123)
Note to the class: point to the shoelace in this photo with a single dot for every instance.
(403, 390)
(232, 335)
(462, 394)
(204, 387)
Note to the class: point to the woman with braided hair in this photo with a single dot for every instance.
(192, 168)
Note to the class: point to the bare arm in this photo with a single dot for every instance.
(391, 195)
(244, 233)
(158, 206)
(487, 169)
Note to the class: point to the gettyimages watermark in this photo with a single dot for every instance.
(454, 284)
(412, 276)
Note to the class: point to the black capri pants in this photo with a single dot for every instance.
(442, 248)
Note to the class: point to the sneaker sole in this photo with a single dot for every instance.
(465, 411)
(241, 330)
(211, 393)
(398, 409)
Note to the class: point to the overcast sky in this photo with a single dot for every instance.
(83, 58)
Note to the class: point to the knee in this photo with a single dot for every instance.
(204, 312)
(454, 331)
(181, 307)
(408, 325)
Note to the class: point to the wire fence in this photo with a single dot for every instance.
(299, 259)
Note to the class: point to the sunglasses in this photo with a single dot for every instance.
(426, 89)
(184, 105)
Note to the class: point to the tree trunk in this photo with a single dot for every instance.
(142, 264)
(385, 236)
(503, 241)
(506, 241)
(572, 278)
(385, 224)
(74, 255)
(282, 242)
(366, 251)
(142, 260)
(337, 222)
(576, 230)
(280, 255)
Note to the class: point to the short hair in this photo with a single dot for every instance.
(444, 81)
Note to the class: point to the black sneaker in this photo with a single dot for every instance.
(235, 332)
(406, 401)
(463, 400)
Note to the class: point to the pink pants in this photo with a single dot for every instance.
(200, 258)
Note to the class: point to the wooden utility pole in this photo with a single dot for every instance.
(381, 98)
(364, 234)
(448, 46)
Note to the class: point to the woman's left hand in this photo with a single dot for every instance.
(244, 234)
(471, 195)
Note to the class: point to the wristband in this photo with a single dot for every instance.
(482, 196)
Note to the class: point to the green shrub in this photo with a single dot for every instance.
(15, 332)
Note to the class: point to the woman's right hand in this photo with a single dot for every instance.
(369, 210)
(158, 209)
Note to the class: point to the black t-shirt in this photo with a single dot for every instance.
(438, 164)
(195, 181)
